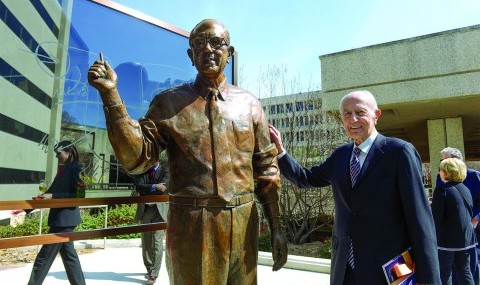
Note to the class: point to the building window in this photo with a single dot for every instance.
(272, 109)
(299, 106)
(280, 109)
(16, 78)
(21, 130)
(20, 176)
(309, 105)
(289, 107)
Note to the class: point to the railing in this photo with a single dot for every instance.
(111, 186)
(82, 235)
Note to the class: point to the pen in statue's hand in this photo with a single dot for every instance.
(103, 78)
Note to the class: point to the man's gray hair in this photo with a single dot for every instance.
(366, 97)
(452, 152)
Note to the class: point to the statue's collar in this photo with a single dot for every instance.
(203, 87)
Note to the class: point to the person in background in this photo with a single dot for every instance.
(219, 156)
(152, 182)
(472, 182)
(380, 203)
(452, 212)
(61, 220)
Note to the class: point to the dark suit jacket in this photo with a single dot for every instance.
(386, 212)
(65, 186)
(472, 182)
(143, 187)
(453, 216)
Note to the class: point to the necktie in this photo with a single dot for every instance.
(350, 259)
(223, 180)
(354, 172)
(152, 175)
(355, 165)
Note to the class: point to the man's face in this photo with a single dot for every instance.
(359, 118)
(210, 51)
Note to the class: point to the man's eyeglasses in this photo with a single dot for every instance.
(215, 42)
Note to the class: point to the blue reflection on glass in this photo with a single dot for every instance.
(148, 59)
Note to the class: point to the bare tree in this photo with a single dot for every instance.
(310, 135)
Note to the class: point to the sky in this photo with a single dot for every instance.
(291, 35)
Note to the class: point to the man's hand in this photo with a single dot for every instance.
(276, 138)
(279, 249)
(103, 78)
(160, 187)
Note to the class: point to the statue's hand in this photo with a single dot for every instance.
(102, 77)
(279, 249)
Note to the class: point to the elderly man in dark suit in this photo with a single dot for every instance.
(152, 182)
(380, 203)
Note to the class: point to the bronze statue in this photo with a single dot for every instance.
(218, 142)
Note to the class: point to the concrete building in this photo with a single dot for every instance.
(31, 61)
(428, 88)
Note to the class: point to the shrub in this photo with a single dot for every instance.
(27, 228)
(264, 243)
(326, 249)
(122, 215)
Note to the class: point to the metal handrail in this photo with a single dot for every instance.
(73, 202)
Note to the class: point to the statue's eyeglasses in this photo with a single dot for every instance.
(215, 42)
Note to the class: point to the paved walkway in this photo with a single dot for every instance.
(123, 265)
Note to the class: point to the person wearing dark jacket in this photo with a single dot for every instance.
(380, 203)
(452, 212)
(61, 220)
(152, 182)
(472, 182)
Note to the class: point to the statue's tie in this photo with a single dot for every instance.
(354, 172)
(221, 161)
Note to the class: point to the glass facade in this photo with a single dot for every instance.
(148, 59)
(43, 79)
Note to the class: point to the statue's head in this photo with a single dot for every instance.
(210, 48)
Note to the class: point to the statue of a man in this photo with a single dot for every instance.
(220, 155)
